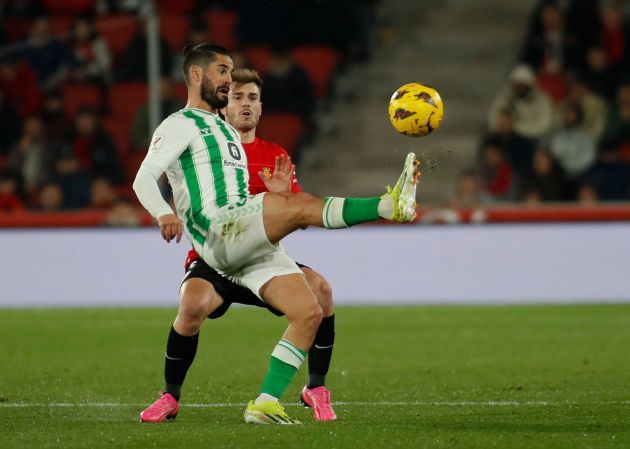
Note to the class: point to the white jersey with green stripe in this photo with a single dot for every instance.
(205, 163)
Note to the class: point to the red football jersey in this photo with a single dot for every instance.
(261, 156)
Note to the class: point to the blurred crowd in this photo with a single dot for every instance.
(559, 130)
(73, 96)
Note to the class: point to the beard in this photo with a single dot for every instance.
(209, 94)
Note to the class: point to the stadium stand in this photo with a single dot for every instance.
(283, 129)
(221, 27)
(174, 30)
(591, 72)
(113, 93)
(117, 30)
(126, 98)
(578, 54)
(81, 95)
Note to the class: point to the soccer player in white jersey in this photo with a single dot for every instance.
(239, 235)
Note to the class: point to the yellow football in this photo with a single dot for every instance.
(416, 110)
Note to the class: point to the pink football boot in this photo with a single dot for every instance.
(165, 407)
(319, 400)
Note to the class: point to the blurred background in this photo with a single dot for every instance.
(536, 94)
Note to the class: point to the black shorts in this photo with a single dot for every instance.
(229, 291)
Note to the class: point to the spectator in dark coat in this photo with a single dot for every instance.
(547, 182)
(49, 58)
(88, 153)
(287, 87)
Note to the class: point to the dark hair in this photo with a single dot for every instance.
(200, 55)
(246, 76)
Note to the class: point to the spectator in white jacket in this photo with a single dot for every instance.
(531, 108)
(574, 148)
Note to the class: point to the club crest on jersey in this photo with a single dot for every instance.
(156, 143)
(266, 172)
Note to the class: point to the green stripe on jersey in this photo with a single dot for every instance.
(243, 191)
(216, 160)
(194, 232)
(194, 190)
(221, 124)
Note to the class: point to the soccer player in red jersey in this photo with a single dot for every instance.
(270, 169)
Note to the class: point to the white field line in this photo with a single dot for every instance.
(341, 403)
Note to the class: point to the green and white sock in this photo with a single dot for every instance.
(286, 359)
(345, 212)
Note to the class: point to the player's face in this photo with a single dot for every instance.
(216, 80)
(244, 108)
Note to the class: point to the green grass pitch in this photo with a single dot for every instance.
(402, 377)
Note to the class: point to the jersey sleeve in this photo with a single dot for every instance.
(168, 142)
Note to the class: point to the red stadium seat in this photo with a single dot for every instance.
(553, 85)
(69, 6)
(60, 26)
(77, 96)
(221, 27)
(132, 163)
(283, 129)
(258, 57)
(175, 6)
(180, 91)
(125, 99)
(16, 29)
(320, 63)
(120, 131)
(174, 30)
(117, 31)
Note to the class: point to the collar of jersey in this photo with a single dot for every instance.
(202, 110)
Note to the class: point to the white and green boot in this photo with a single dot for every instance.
(403, 194)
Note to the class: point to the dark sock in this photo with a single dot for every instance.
(321, 352)
(180, 353)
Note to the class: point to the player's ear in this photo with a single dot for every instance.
(194, 73)
(223, 112)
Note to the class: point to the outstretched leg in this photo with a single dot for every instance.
(284, 213)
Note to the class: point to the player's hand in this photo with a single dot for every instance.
(170, 227)
(280, 179)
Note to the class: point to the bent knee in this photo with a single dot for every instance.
(322, 290)
(193, 312)
(198, 299)
(315, 315)
(310, 315)
(325, 298)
